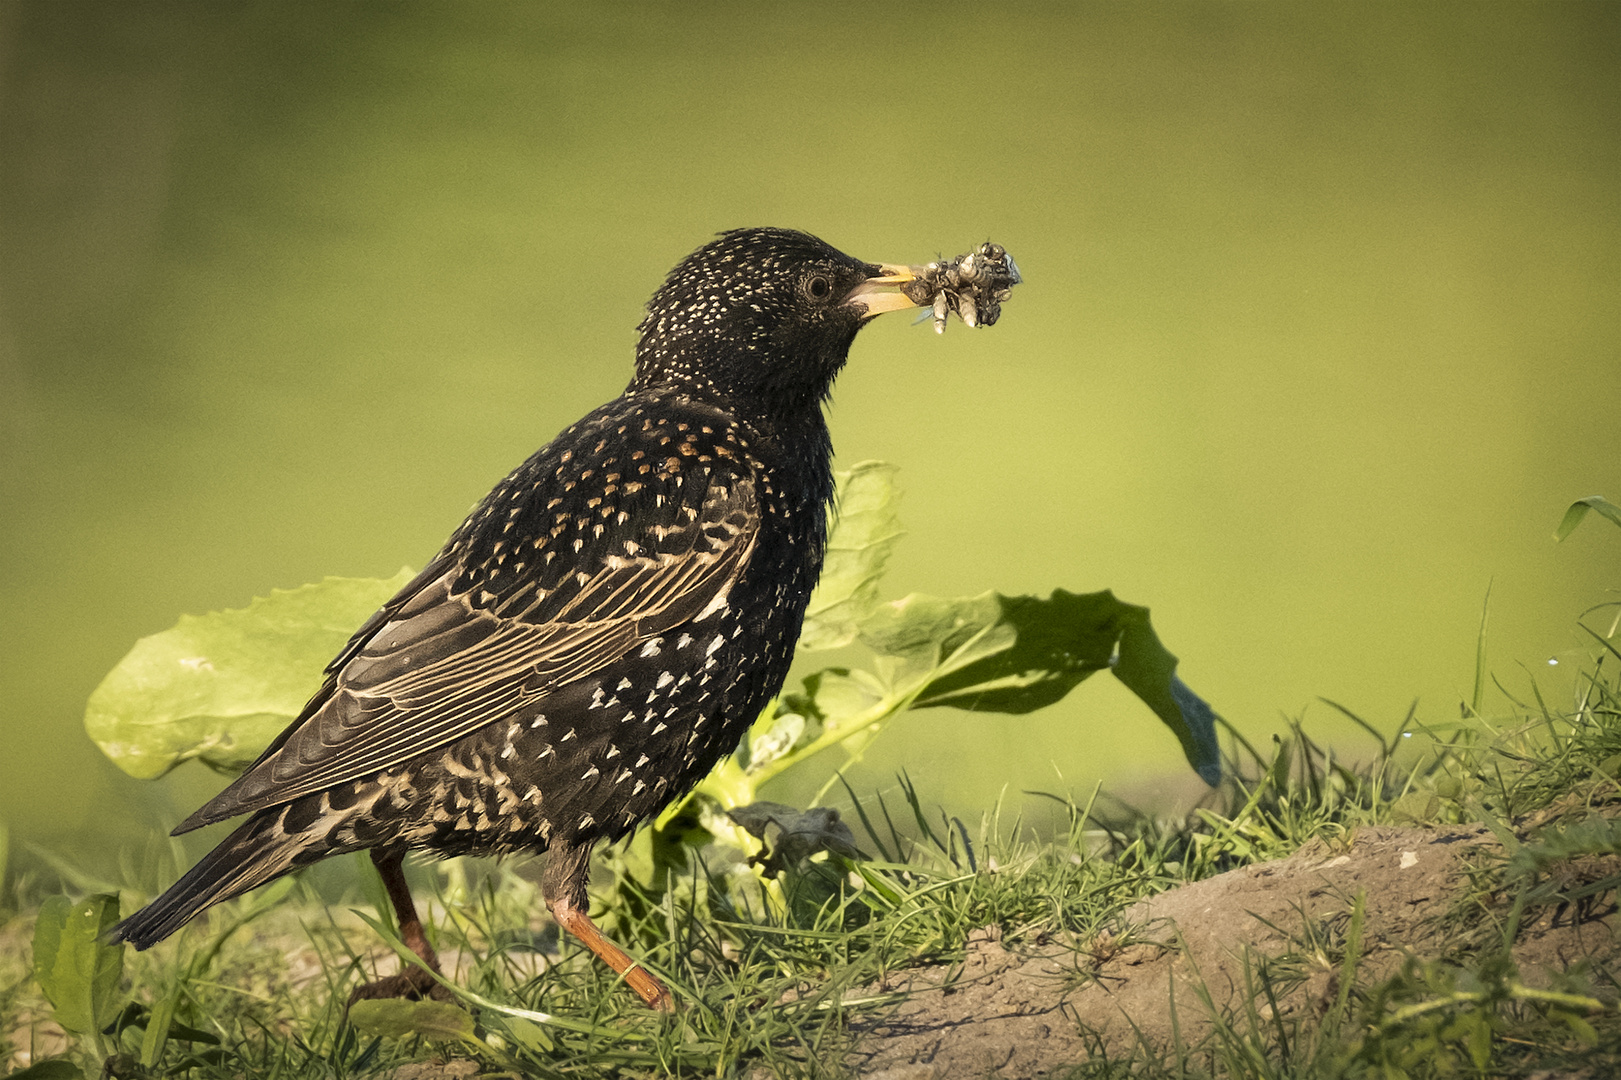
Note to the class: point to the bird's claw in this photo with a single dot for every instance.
(413, 984)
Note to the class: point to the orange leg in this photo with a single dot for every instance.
(563, 885)
(412, 982)
(577, 922)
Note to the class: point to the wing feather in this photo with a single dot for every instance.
(431, 667)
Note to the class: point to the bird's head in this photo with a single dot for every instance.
(763, 316)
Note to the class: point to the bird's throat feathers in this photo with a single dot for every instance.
(775, 387)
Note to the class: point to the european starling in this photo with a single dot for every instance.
(602, 628)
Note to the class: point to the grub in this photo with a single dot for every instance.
(973, 285)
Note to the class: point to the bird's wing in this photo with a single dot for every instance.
(437, 666)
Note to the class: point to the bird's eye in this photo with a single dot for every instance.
(819, 287)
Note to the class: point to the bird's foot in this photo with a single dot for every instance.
(654, 993)
(413, 984)
(571, 916)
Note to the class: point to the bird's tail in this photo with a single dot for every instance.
(257, 852)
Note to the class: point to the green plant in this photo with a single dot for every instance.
(770, 984)
(78, 971)
(216, 688)
(771, 970)
(1579, 510)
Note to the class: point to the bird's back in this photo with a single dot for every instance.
(605, 626)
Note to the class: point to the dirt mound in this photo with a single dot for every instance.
(1027, 1012)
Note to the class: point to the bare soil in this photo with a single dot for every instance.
(1036, 1010)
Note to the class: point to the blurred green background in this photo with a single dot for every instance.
(1320, 333)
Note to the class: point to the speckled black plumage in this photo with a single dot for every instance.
(606, 623)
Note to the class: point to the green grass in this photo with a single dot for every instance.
(769, 973)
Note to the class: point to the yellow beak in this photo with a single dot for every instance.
(882, 293)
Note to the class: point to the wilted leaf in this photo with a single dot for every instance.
(76, 969)
(395, 1018)
(1578, 510)
(219, 687)
(791, 836)
(864, 534)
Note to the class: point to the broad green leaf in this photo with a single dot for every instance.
(158, 1024)
(1016, 654)
(827, 697)
(986, 653)
(1479, 1041)
(219, 687)
(834, 693)
(75, 967)
(1037, 651)
(864, 535)
(395, 1018)
(1007, 654)
(1149, 670)
(530, 1036)
(1578, 510)
(938, 635)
